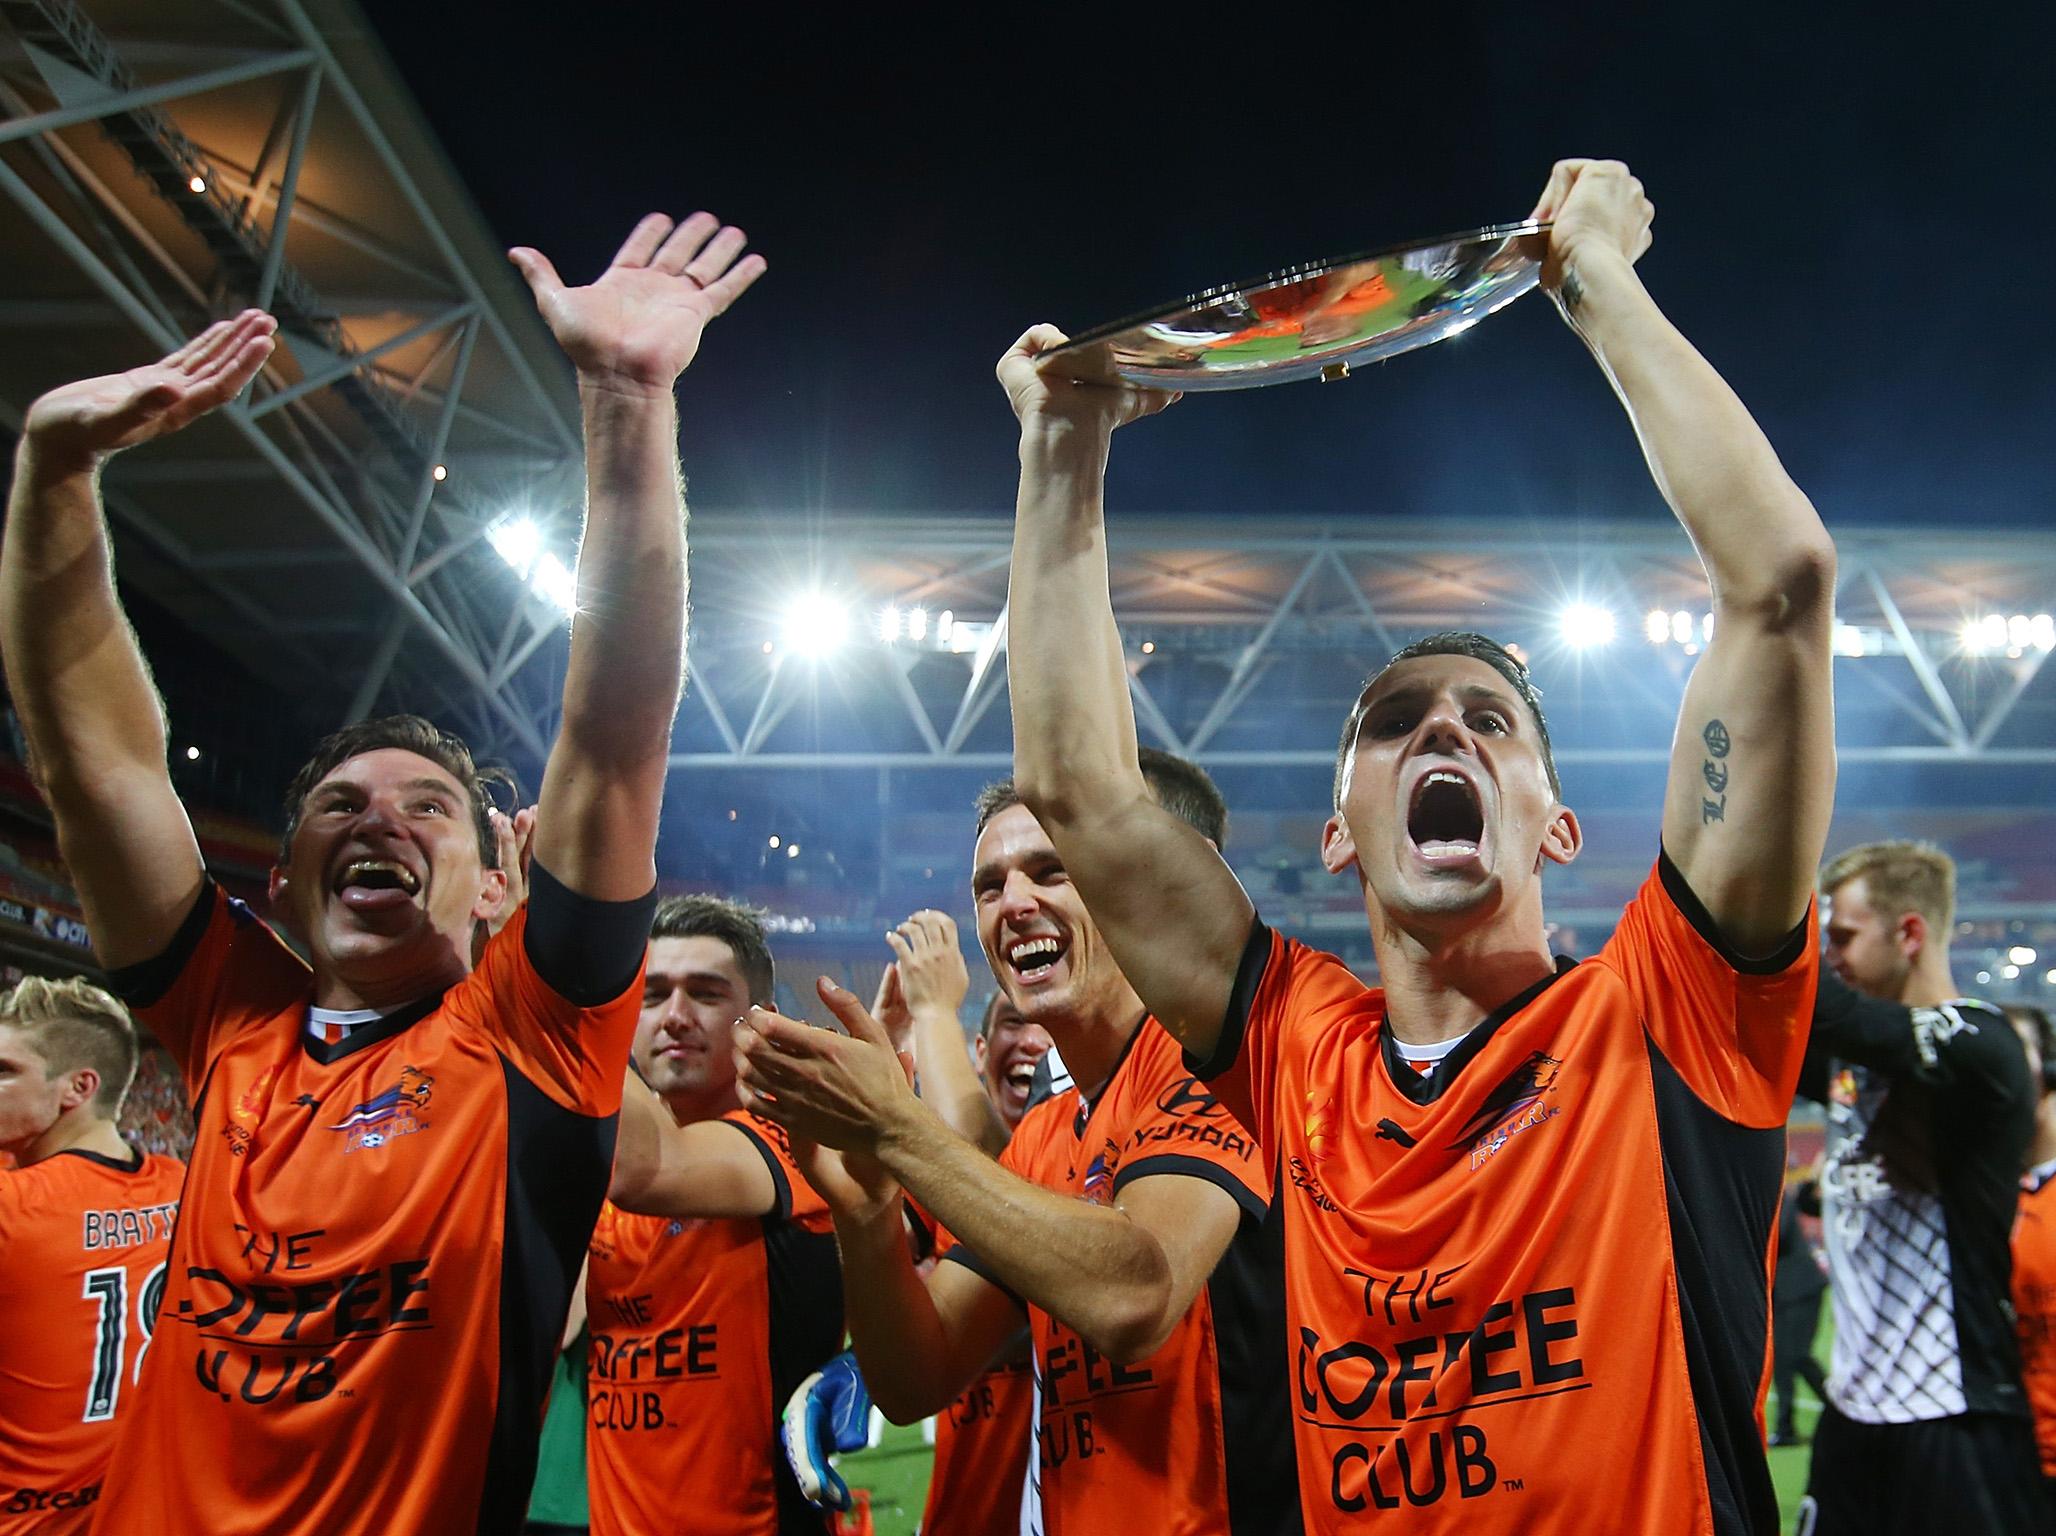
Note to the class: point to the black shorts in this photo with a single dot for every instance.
(1974, 1472)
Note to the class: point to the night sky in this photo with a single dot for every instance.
(1855, 221)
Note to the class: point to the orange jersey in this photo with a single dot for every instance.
(1189, 1440)
(981, 1456)
(1530, 1290)
(83, 1240)
(2034, 1309)
(376, 1246)
(700, 1332)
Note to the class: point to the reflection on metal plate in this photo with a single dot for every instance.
(1320, 320)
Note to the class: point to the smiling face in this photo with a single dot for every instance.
(384, 882)
(1033, 927)
(1446, 806)
(693, 992)
(1007, 1054)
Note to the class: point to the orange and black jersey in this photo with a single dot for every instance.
(83, 1239)
(2034, 1304)
(1193, 1439)
(977, 1482)
(1530, 1290)
(700, 1332)
(378, 1237)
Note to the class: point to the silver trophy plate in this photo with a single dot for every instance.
(1319, 320)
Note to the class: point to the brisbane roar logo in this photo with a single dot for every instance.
(1317, 1129)
(396, 1112)
(1513, 1107)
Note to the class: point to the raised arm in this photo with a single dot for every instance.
(927, 981)
(1752, 774)
(630, 335)
(1171, 910)
(1120, 1275)
(95, 725)
(708, 1169)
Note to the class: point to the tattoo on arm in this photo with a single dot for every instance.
(1715, 771)
(1573, 293)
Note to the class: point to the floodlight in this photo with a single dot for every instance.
(2010, 972)
(1983, 977)
(815, 625)
(792, 850)
(555, 582)
(518, 541)
(917, 623)
(198, 184)
(2041, 632)
(1585, 625)
(192, 754)
(1681, 627)
(2021, 954)
(946, 622)
(441, 473)
(889, 624)
(1656, 625)
(1849, 640)
(775, 839)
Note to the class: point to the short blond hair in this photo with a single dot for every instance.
(1900, 877)
(74, 1024)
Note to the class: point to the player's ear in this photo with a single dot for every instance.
(1562, 837)
(1338, 848)
(80, 1086)
(978, 1052)
(1913, 934)
(492, 891)
(275, 887)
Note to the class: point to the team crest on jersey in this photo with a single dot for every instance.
(1512, 1109)
(250, 1103)
(1099, 1175)
(396, 1112)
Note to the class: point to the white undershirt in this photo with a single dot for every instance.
(331, 1026)
(1427, 1057)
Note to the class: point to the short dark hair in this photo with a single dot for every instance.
(1453, 642)
(1176, 783)
(740, 927)
(990, 1016)
(406, 733)
(74, 1024)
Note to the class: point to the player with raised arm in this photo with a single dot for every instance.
(85, 1224)
(711, 1278)
(399, 1154)
(1529, 1205)
(1125, 1224)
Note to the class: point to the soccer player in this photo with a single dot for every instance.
(711, 1280)
(1930, 1111)
(399, 1155)
(85, 1223)
(1528, 1204)
(1124, 1224)
(2034, 1245)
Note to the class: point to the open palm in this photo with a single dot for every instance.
(93, 418)
(639, 325)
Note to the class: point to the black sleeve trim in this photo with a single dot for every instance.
(586, 951)
(781, 1209)
(147, 981)
(1254, 1205)
(1249, 975)
(1686, 900)
(964, 1256)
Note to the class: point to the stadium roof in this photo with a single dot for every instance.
(175, 160)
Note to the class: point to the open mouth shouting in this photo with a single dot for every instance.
(372, 884)
(1445, 819)
(1035, 959)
